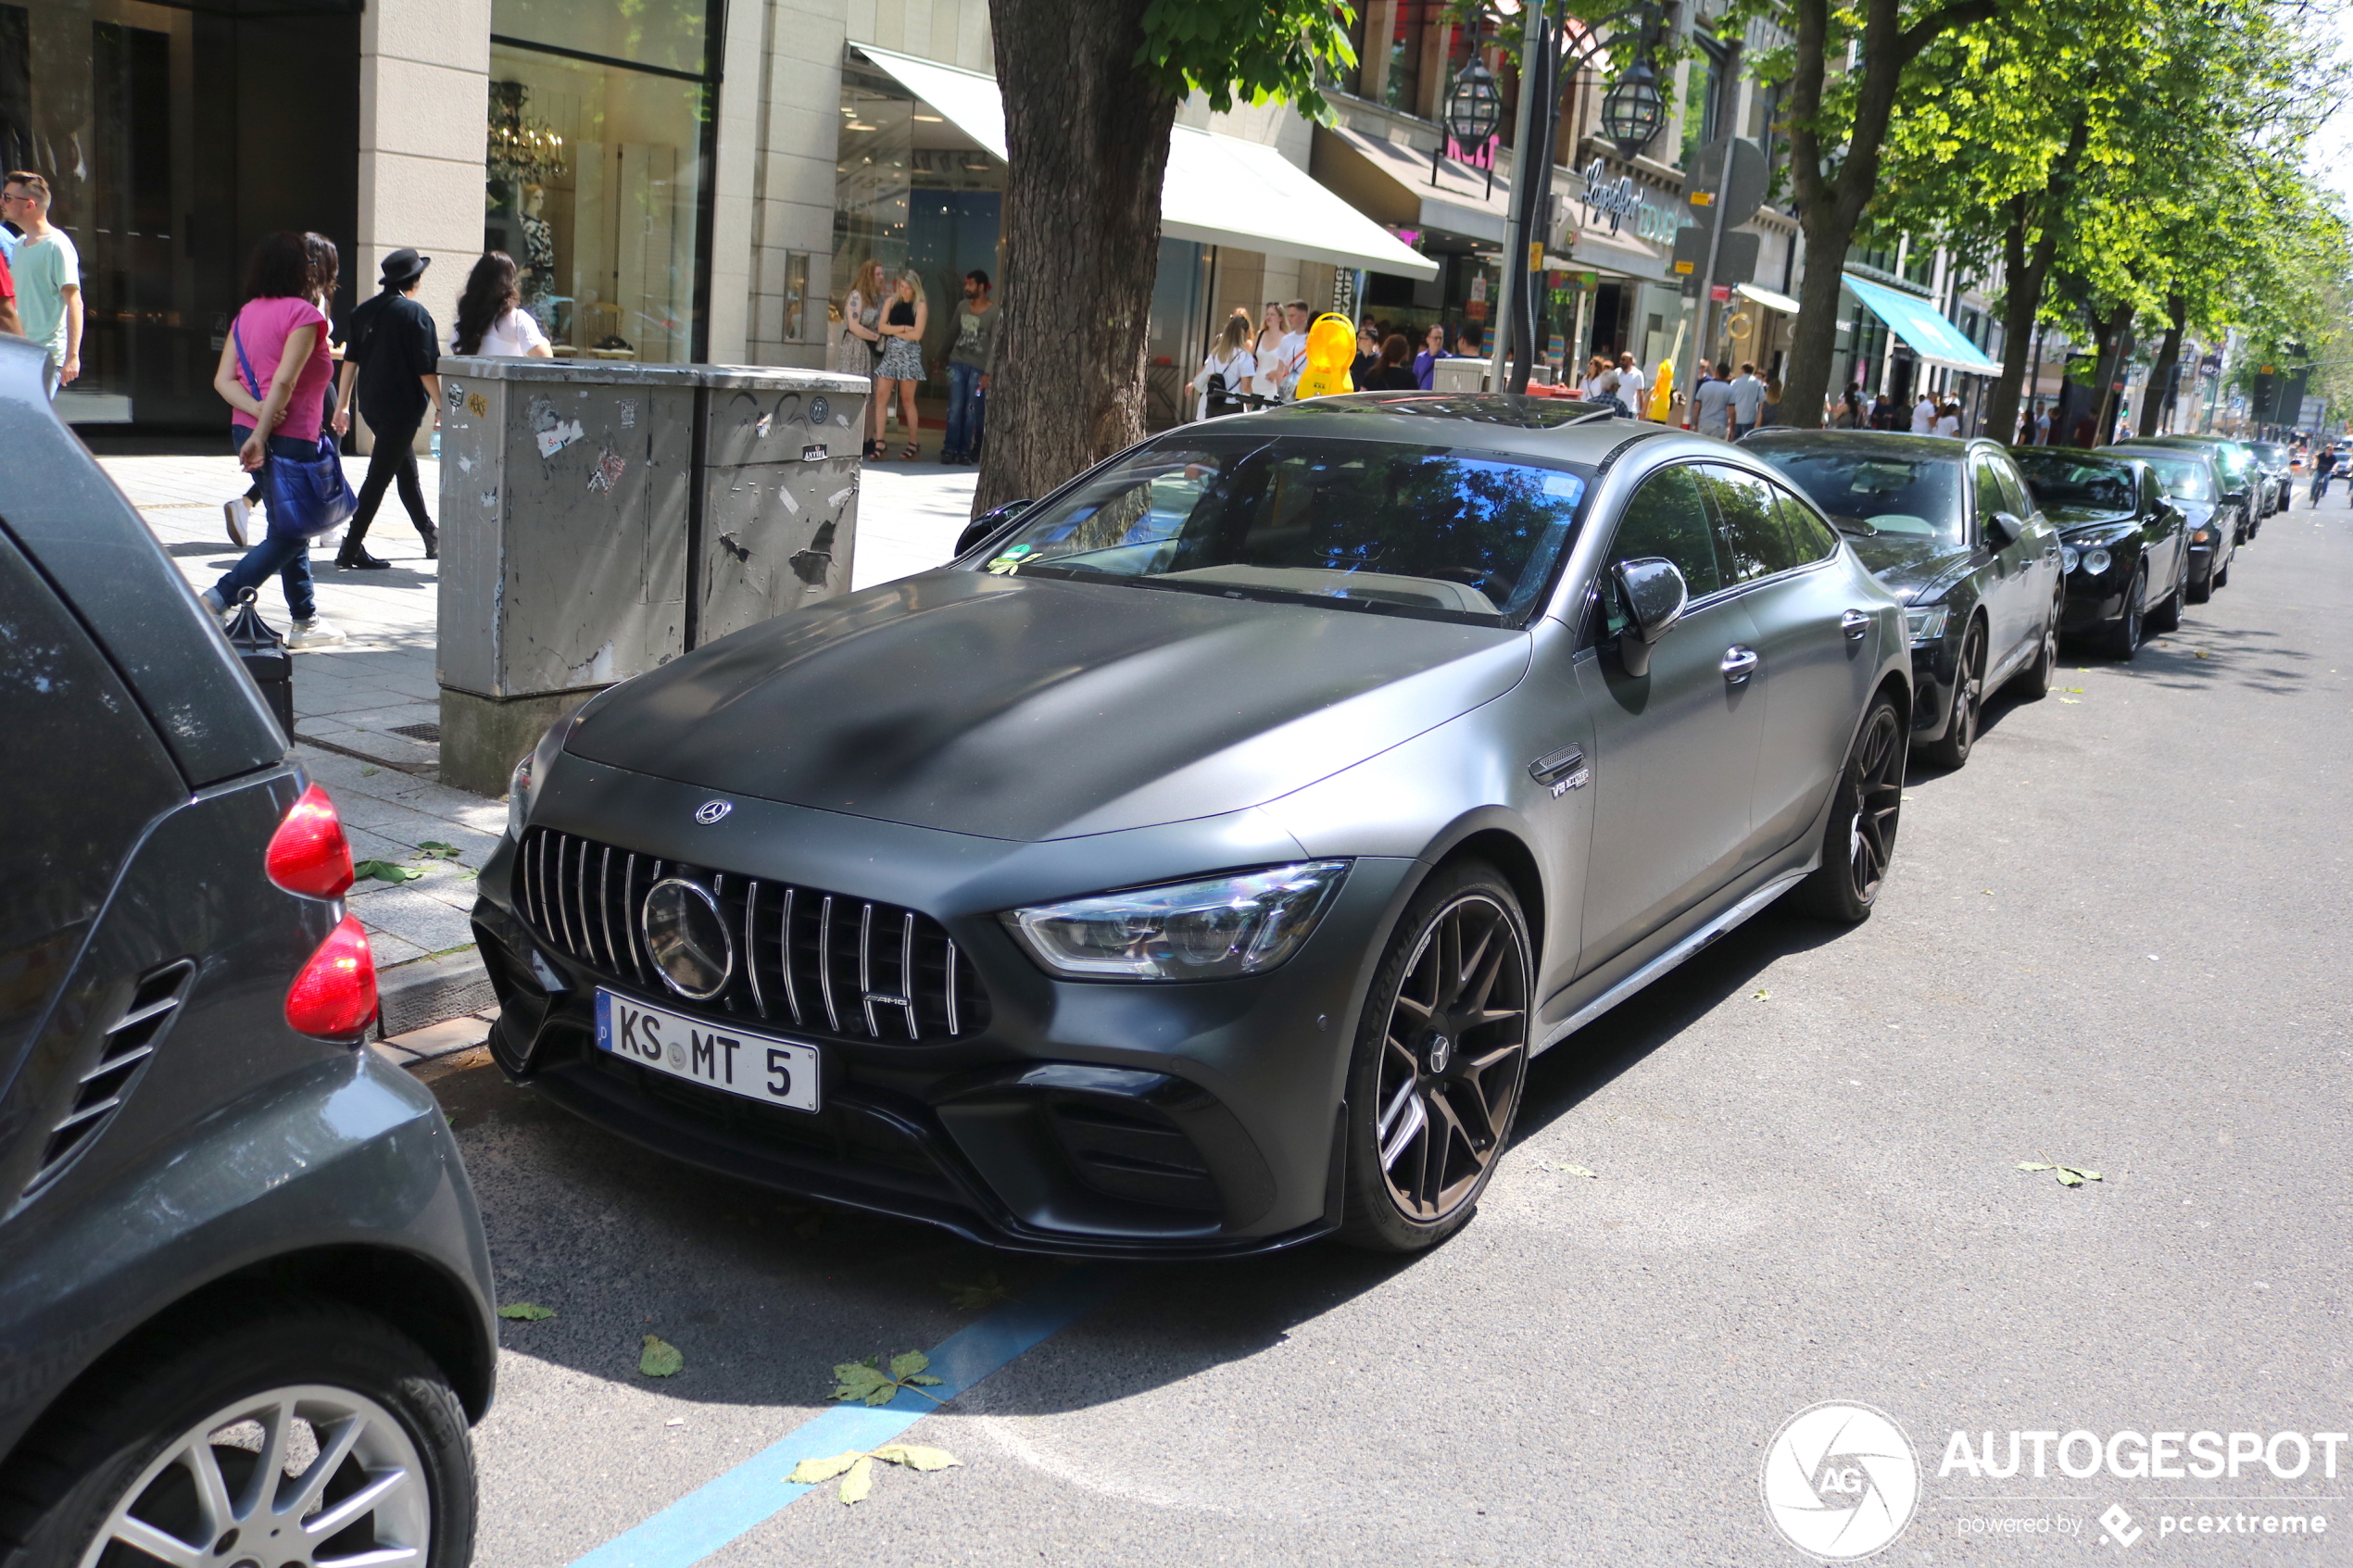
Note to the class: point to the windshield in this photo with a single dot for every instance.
(2272, 453)
(1916, 495)
(1425, 531)
(2077, 482)
(2185, 479)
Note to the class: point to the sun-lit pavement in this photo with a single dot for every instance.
(2117, 939)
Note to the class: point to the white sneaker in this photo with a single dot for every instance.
(314, 632)
(215, 603)
(236, 512)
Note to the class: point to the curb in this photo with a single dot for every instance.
(426, 991)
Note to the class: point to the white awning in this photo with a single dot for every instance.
(1766, 298)
(1219, 190)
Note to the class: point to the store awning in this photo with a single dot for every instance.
(1219, 190)
(1766, 298)
(1915, 321)
(1393, 183)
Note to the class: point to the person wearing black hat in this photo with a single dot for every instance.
(393, 350)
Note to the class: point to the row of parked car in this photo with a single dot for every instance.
(1191, 867)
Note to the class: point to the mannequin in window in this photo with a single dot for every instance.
(538, 246)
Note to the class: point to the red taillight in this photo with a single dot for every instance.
(335, 997)
(309, 854)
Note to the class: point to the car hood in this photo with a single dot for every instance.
(1031, 709)
(2082, 522)
(1916, 570)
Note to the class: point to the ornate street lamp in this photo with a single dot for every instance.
(1632, 111)
(1474, 108)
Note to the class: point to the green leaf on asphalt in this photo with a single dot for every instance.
(814, 1472)
(986, 1291)
(859, 1482)
(435, 850)
(856, 1380)
(908, 1363)
(2065, 1176)
(1763, 997)
(660, 1357)
(383, 871)
(917, 1456)
(370, 773)
(526, 1311)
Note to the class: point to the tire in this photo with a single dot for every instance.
(2201, 588)
(2125, 640)
(2223, 578)
(2167, 617)
(1859, 841)
(1969, 702)
(129, 1448)
(1433, 1085)
(2033, 683)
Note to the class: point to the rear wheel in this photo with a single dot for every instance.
(2124, 640)
(1439, 1060)
(2167, 617)
(308, 1433)
(1860, 840)
(1969, 700)
(2223, 578)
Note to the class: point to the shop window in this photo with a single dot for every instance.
(669, 35)
(796, 295)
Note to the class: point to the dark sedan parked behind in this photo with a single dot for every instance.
(1195, 864)
(2215, 519)
(2243, 486)
(1949, 527)
(2122, 544)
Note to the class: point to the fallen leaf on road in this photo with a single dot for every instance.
(1576, 1170)
(435, 849)
(815, 1471)
(917, 1456)
(2201, 653)
(526, 1311)
(986, 1291)
(370, 773)
(2065, 1176)
(661, 1357)
(859, 1482)
(866, 1380)
(2071, 702)
(383, 871)
(1763, 997)
(857, 1470)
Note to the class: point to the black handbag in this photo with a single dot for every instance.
(263, 654)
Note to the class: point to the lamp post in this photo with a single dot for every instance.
(1634, 109)
(1474, 108)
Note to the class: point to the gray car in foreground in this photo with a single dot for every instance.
(1194, 865)
(245, 1301)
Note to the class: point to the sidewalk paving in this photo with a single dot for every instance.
(368, 710)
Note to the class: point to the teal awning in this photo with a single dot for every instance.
(1915, 321)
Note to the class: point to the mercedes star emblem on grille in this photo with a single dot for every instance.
(689, 940)
(710, 811)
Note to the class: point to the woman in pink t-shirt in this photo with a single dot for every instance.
(278, 344)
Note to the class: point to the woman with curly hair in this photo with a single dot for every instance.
(491, 321)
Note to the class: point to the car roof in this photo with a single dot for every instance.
(1894, 444)
(2177, 448)
(1556, 428)
(2105, 453)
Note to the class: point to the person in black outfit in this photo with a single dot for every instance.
(393, 350)
(1394, 372)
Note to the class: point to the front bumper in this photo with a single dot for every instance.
(1101, 1119)
(1934, 670)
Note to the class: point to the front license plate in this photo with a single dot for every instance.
(755, 1066)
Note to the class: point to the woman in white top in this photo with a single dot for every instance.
(1948, 422)
(490, 318)
(1230, 357)
(1268, 381)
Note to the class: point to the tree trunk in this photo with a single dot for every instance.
(2025, 270)
(2116, 346)
(2168, 360)
(1086, 143)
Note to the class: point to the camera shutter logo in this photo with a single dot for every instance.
(1840, 1480)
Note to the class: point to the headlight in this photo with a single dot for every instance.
(522, 786)
(1209, 930)
(2068, 556)
(2095, 562)
(1926, 623)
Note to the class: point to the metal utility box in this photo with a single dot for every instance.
(599, 518)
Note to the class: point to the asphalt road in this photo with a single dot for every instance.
(2118, 940)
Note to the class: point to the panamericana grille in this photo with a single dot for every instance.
(817, 960)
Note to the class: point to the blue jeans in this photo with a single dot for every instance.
(286, 559)
(964, 409)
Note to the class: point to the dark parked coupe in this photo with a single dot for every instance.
(2195, 483)
(2125, 546)
(2244, 486)
(1194, 865)
(1950, 528)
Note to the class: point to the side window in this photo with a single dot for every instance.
(1809, 537)
(1989, 499)
(1754, 543)
(1665, 518)
(2016, 498)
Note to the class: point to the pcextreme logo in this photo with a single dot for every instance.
(1840, 1480)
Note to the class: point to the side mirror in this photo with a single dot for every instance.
(1654, 594)
(2004, 529)
(977, 531)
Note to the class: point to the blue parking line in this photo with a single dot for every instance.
(713, 1514)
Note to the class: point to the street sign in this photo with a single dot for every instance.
(1741, 192)
(1735, 257)
(1721, 294)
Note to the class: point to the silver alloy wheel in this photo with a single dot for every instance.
(1453, 1058)
(212, 1498)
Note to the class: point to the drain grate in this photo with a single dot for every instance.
(419, 732)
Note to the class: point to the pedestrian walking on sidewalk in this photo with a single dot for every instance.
(1712, 402)
(326, 268)
(1425, 362)
(1632, 383)
(1292, 350)
(1391, 372)
(858, 343)
(392, 353)
(491, 321)
(274, 373)
(903, 359)
(1224, 375)
(8, 321)
(970, 360)
(47, 271)
(1748, 401)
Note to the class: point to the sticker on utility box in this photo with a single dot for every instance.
(562, 434)
(813, 453)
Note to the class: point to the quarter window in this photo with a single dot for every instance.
(1757, 543)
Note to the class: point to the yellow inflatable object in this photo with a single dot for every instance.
(1331, 349)
(1662, 391)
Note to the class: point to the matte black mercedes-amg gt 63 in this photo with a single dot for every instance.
(1193, 866)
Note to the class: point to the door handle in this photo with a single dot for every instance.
(1739, 663)
(1854, 623)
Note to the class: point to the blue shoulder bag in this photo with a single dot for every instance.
(305, 497)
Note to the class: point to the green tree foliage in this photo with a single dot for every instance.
(1258, 50)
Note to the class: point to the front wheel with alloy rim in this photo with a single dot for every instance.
(1441, 1055)
(1969, 700)
(1860, 840)
(307, 1435)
